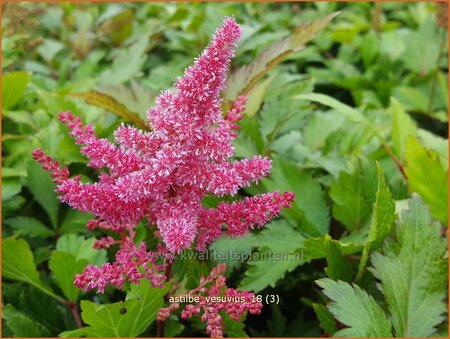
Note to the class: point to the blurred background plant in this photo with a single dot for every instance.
(372, 86)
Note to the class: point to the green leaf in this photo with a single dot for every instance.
(326, 320)
(337, 266)
(428, 177)
(136, 97)
(309, 206)
(10, 188)
(112, 104)
(65, 266)
(422, 48)
(240, 247)
(29, 226)
(18, 264)
(29, 300)
(245, 78)
(314, 248)
(13, 88)
(413, 273)
(172, 327)
(383, 220)
(320, 126)
(352, 196)
(354, 308)
(41, 186)
(122, 319)
(189, 267)
(49, 48)
(256, 97)
(81, 248)
(22, 325)
(75, 222)
(402, 127)
(234, 328)
(351, 113)
(127, 64)
(274, 258)
(279, 236)
(263, 273)
(84, 332)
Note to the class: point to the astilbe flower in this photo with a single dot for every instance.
(163, 175)
(214, 296)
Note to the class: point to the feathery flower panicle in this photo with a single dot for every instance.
(163, 176)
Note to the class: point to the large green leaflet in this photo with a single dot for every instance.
(413, 273)
(18, 264)
(353, 307)
(126, 319)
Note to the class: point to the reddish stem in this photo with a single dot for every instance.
(76, 314)
(160, 324)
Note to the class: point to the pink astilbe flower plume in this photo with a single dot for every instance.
(164, 174)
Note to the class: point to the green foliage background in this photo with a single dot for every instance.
(356, 125)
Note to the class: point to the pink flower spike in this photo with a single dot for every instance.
(163, 176)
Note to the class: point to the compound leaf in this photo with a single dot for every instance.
(413, 273)
(354, 308)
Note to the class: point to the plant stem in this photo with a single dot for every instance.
(76, 314)
(160, 324)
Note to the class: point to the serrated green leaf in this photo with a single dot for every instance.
(383, 220)
(41, 186)
(326, 320)
(127, 64)
(337, 266)
(172, 327)
(122, 319)
(10, 187)
(263, 273)
(275, 257)
(29, 300)
(309, 206)
(234, 328)
(240, 247)
(18, 264)
(64, 266)
(13, 88)
(354, 308)
(29, 226)
(427, 176)
(22, 325)
(314, 248)
(351, 196)
(402, 127)
(244, 79)
(413, 273)
(81, 248)
(279, 236)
